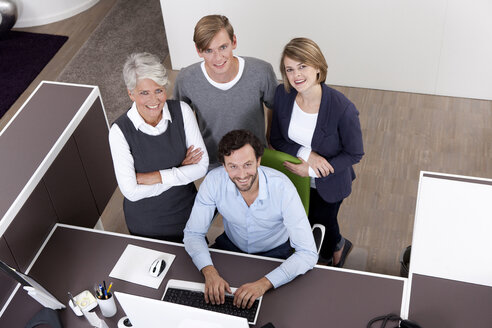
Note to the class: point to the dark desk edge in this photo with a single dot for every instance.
(458, 178)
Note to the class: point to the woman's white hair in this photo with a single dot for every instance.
(141, 66)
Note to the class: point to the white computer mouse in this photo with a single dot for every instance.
(157, 267)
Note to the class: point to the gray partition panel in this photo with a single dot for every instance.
(73, 260)
(31, 226)
(69, 189)
(7, 284)
(92, 141)
(35, 131)
(437, 302)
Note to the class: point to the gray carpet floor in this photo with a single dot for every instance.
(130, 26)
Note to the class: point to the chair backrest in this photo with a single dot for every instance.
(274, 159)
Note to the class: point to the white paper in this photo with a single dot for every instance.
(94, 320)
(134, 264)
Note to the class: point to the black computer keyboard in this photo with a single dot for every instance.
(196, 299)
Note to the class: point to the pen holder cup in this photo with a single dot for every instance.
(107, 306)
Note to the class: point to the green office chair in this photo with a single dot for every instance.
(274, 159)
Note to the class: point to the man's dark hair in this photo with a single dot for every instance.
(235, 140)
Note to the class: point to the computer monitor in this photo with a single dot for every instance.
(145, 312)
(33, 288)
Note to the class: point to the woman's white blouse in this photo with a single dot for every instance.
(176, 176)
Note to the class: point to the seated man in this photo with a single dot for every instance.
(262, 214)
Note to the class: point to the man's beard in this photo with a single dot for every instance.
(248, 187)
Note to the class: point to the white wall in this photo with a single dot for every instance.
(441, 47)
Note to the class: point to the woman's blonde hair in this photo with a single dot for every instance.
(307, 52)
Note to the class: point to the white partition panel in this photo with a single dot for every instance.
(382, 44)
(453, 225)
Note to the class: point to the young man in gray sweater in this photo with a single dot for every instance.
(226, 92)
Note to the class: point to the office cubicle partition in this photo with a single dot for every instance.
(55, 167)
(450, 266)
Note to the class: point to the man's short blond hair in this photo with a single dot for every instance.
(207, 27)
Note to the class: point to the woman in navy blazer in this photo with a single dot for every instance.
(320, 126)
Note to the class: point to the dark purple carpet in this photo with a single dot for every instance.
(23, 56)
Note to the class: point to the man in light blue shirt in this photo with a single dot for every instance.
(262, 214)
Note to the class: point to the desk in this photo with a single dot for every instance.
(74, 258)
(438, 302)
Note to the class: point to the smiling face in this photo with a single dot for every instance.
(242, 167)
(301, 76)
(219, 60)
(150, 98)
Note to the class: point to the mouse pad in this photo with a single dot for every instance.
(134, 264)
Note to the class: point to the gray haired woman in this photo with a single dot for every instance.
(157, 152)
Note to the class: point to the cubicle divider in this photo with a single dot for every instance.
(6, 284)
(55, 167)
(450, 268)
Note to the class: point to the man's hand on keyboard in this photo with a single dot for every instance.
(215, 286)
(246, 295)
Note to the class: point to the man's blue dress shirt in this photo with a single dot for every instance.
(276, 215)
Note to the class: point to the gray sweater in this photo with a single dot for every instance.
(220, 111)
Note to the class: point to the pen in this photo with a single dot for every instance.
(104, 292)
(96, 291)
(101, 291)
(73, 301)
(110, 285)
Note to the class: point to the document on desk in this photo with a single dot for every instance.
(134, 264)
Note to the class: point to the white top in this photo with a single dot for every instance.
(176, 176)
(301, 130)
(228, 85)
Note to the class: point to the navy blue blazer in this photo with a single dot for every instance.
(337, 137)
